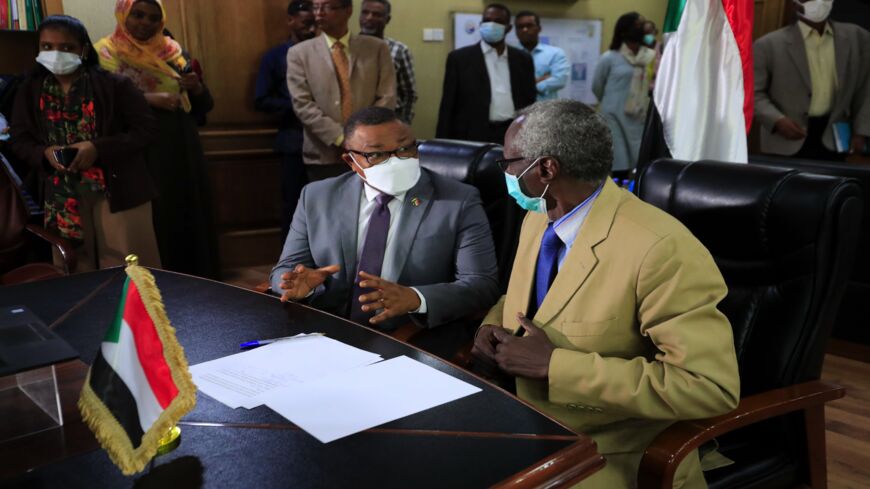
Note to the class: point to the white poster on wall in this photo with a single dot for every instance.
(581, 40)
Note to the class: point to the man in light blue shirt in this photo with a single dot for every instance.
(552, 68)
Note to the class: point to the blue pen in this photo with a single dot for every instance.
(254, 344)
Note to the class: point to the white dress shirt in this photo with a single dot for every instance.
(501, 102)
(367, 206)
(568, 226)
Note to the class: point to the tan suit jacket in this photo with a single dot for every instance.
(640, 342)
(783, 86)
(313, 84)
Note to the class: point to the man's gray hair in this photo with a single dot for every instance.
(571, 132)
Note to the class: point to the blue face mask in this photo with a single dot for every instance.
(534, 204)
(649, 39)
(492, 32)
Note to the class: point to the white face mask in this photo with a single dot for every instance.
(59, 62)
(393, 176)
(816, 10)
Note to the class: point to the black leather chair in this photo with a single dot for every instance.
(785, 242)
(851, 323)
(475, 164)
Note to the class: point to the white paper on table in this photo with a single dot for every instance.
(236, 385)
(241, 380)
(355, 400)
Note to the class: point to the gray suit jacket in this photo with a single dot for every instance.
(444, 247)
(313, 84)
(783, 86)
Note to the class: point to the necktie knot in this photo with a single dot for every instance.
(551, 240)
(383, 200)
(337, 45)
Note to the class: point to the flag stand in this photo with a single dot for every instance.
(169, 442)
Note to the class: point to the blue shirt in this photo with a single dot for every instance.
(273, 97)
(550, 60)
(568, 226)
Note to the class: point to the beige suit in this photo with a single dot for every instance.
(313, 85)
(639, 340)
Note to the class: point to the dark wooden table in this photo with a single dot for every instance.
(487, 439)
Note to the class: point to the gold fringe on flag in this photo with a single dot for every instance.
(103, 423)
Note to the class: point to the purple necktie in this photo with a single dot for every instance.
(371, 259)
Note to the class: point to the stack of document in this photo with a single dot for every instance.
(327, 388)
(244, 379)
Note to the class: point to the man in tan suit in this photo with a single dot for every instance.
(332, 76)
(610, 322)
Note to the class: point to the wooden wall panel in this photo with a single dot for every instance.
(770, 15)
(229, 38)
(175, 21)
(52, 7)
(246, 205)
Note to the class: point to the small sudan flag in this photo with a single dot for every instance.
(139, 385)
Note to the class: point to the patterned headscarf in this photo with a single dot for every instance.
(153, 65)
(155, 53)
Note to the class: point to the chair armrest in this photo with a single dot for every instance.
(67, 252)
(670, 447)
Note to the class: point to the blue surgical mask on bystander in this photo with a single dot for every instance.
(492, 32)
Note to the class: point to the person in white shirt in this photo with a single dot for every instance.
(486, 84)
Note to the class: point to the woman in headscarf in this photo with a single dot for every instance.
(156, 63)
(86, 131)
(621, 83)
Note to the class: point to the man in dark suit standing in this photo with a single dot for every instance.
(486, 84)
(272, 97)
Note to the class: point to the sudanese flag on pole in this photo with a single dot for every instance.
(139, 385)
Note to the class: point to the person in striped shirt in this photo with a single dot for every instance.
(373, 19)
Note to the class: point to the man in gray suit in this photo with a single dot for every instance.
(330, 77)
(389, 240)
(809, 76)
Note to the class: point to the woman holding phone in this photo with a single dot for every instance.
(86, 131)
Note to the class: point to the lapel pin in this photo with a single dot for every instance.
(415, 202)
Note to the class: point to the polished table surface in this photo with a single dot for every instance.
(489, 438)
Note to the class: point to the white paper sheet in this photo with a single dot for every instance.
(355, 400)
(241, 380)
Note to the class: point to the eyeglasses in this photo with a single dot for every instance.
(505, 163)
(325, 7)
(376, 157)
